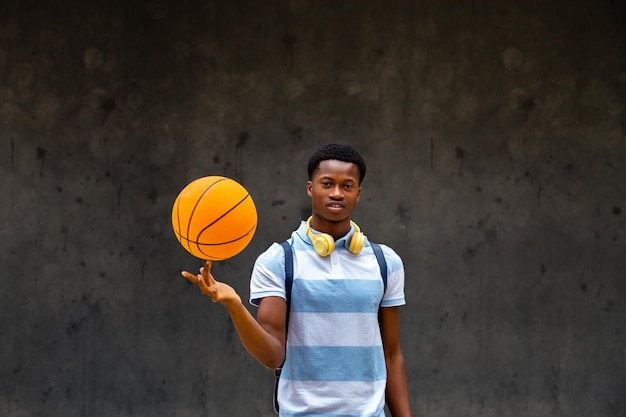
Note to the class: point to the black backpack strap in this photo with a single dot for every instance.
(382, 262)
(288, 273)
(288, 284)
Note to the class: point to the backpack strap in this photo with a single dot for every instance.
(288, 284)
(382, 262)
(288, 273)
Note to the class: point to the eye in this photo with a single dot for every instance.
(326, 184)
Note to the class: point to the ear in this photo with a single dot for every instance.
(309, 186)
(358, 196)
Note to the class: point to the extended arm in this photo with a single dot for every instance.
(263, 338)
(397, 394)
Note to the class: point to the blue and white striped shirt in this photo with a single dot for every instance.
(334, 364)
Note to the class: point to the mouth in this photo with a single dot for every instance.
(335, 206)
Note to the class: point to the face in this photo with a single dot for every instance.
(334, 190)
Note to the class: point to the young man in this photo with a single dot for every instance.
(341, 350)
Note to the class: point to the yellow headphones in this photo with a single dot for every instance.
(324, 243)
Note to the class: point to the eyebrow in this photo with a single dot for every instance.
(333, 179)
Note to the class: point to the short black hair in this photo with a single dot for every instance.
(340, 152)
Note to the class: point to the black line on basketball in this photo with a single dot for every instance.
(196, 206)
(222, 216)
(200, 245)
(197, 243)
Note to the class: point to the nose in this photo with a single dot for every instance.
(336, 192)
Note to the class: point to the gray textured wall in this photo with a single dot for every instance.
(496, 139)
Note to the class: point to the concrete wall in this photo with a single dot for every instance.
(495, 134)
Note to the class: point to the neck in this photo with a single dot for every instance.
(336, 229)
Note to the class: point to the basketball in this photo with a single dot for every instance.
(214, 218)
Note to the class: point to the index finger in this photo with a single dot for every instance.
(206, 273)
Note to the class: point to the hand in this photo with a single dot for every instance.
(218, 291)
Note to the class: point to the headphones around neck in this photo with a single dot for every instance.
(324, 243)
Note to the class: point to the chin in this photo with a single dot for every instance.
(336, 217)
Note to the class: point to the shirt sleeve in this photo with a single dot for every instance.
(394, 295)
(268, 275)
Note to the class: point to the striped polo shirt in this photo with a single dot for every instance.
(334, 363)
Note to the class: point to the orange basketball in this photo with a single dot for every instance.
(214, 218)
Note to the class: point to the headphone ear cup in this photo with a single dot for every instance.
(324, 244)
(357, 241)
